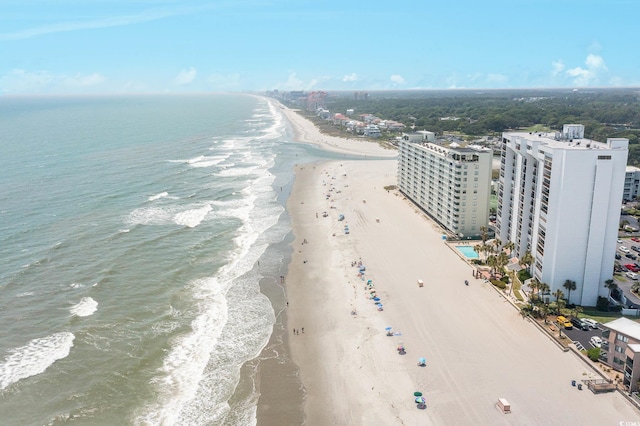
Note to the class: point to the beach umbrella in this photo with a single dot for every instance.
(421, 406)
(376, 299)
(417, 393)
(422, 361)
(420, 400)
(388, 328)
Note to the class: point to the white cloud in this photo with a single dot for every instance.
(352, 77)
(115, 21)
(295, 83)
(595, 66)
(22, 81)
(557, 67)
(397, 79)
(186, 76)
(81, 80)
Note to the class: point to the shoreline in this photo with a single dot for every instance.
(477, 346)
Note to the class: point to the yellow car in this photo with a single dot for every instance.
(564, 322)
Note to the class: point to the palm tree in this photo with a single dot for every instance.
(497, 243)
(558, 294)
(569, 285)
(527, 260)
(611, 285)
(503, 261)
(561, 304)
(577, 310)
(544, 311)
(542, 288)
(509, 246)
(477, 248)
(492, 261)
(534, 284)
(484, 234)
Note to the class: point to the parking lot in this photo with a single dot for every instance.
(628, 248)
(582, 336)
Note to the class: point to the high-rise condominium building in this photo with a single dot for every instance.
(452, 185)
(559, 198)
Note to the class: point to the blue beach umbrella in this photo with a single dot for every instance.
(388, 328)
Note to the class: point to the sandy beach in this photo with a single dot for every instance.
(476, 345)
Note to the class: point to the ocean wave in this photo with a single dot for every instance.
(158, 196)
(34, 358)
(192, 218)
(86, 307)
(203, 160)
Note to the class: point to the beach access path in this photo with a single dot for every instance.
(477, 346)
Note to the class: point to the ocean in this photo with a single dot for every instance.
(137, 237)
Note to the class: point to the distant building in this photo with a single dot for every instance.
(450, 184)
(631, 183)
(372, 131)
(559, 198)
(621, 349)
(419, 136)
(350, 111)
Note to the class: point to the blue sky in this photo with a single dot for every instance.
(158, 46)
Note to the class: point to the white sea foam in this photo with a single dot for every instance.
(199, 366)
(158, 196)
(193, 217)
(149, 216)
(203, 160)
(34, 358)
(25, 294)
(76, 285)
(86, 307)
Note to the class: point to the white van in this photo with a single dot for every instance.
(596, 341)
(632, 275)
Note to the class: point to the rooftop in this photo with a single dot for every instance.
(625, 326)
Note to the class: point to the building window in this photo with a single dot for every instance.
(619, 349)
(604, 157)
(622, 337)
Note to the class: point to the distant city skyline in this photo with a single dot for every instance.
(172, 46)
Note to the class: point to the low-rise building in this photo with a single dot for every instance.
(621, 349)
(631, 183)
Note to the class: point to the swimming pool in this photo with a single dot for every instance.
(468, 252)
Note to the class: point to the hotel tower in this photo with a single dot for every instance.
(559, 198)
(452, 185)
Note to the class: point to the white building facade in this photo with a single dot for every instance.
(559, 198)
(452, 185)
(631, 183)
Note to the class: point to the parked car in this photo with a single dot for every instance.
(632, 275)
(596, 341)
(631, 256)
(635, 239)
(618, 256)
(635, 248)
(577, 322)
(623, 249)
(564, 322)
(591, 322)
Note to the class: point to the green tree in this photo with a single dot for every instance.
(544, 312)
(558, 294)
(527, 260)
(543, 288)
(611, 285)
(509, 246)
(569, 285)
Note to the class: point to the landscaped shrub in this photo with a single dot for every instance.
(505, 278)
(602, 304)
(593, 353)
(500, 284)
(523, 275)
